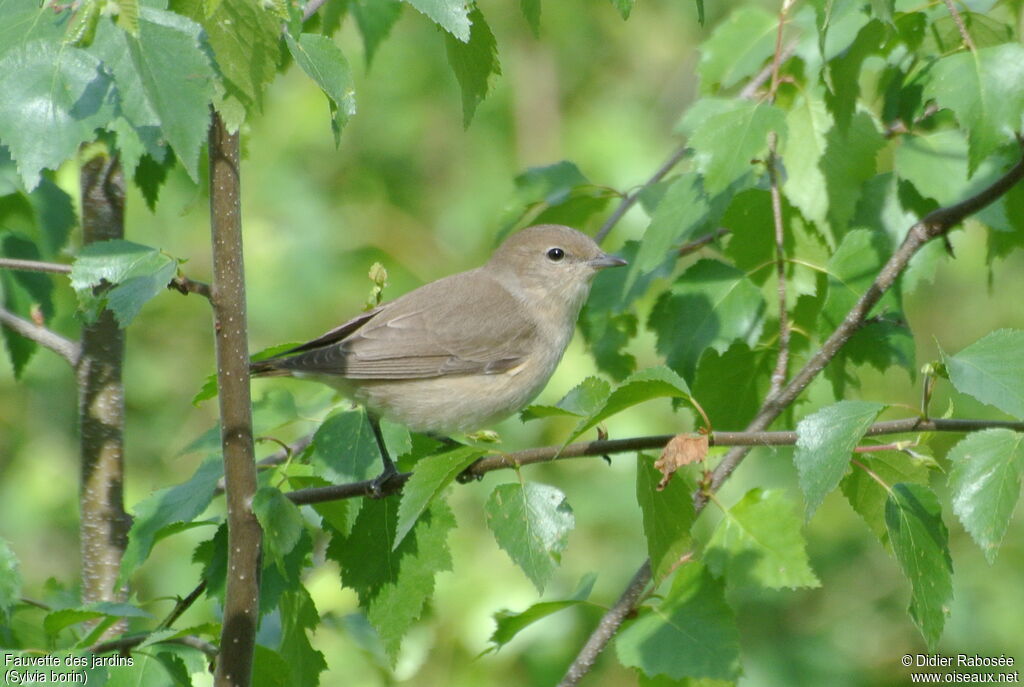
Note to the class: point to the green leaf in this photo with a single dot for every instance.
(137, 273)
(691, 633)
(985, 480)
(164, 77)
(474, 61)
(985, 90)
(27, 294)
(606, 334)
(680, 213)
(992, 370)
(55, 217)
(724, 144)
(585, 398)
(868, 497)
(299, 616)
(531, 523)
(668, 516)
(531, 11)
(624, 7)
(844, 72)
(322, 60)
(921, 544)
(729, 386)
(181, 503)
(737, 48)
(650, 383)
(430, 476)
(345, 448)
(805, 183)
(393, 584)
(848, 162)
(10, 579)
(375, 18)
(824, 444)
(453, 16)
(55, 621)
(509, 623)
(758, 544)
(280, 520)
(712, 304)
(52, 99)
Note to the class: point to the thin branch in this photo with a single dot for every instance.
(935, 224)
(70, 350)
(599, 448)
(701, 241)
(311, 8)
(34, 266)
(185, 286)
(608, 626)
(782, 360)
(182, 605)
(129, 642)
(631, 198)
(959, 21)
(749, 91)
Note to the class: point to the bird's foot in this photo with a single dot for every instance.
(379, 484)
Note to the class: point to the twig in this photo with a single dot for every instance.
(959, 21)
(65, 348)
(608, 626)
(129, 642)
(599, 448)
(185, 286)
(631, 198)
(34, 266)
(182, 605)
(311, 8)
(701, 241)
(782, 360)
(749, 91)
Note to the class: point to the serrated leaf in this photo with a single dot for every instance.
(135, 272)
(322, 59)
(691, 633)
(711, 304)
(848, 162)
(453, 16)
(27, 294)
(985, 479)
(606, 334)
(920, 541)
(844, 72)
(583, 399)
(725, 144)
(55, 217)
(280, 520)
(985, 89)
(623, 6)
(55, 621)
(645, 385)
(668, 516)
(531, 11)
(737, 48)
(299, 616)
(867, 496)
(52, 99)
(509, 623)
(474, 60)
(393, 584)
(10, 579)
(992, 370)
(531, 523)
(181, 503)
(375, 18)
(758, 544)
(430, 476)
(824, 444)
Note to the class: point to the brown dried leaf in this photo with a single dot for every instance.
(683, 449)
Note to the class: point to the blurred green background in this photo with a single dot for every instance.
(411, 188)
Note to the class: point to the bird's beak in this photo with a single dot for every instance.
(604, 260)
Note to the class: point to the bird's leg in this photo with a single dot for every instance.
(377, 486)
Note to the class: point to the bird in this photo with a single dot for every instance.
(462, 352)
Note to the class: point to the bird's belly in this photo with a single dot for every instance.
(445, 405)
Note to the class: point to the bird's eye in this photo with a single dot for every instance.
(556, 254)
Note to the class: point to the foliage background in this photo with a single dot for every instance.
(411, 188)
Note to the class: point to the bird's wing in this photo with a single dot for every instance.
(426, 333)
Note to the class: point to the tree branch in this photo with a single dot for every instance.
(65, 348)
(185, 286)
(34, 266)
(241, 601)
(959, 21)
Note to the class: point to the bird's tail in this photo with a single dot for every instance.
(268, 368)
